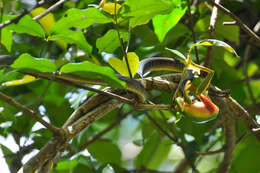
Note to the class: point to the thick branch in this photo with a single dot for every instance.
(229, 130)
(97, 106)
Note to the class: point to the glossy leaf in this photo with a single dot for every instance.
(73, 37)
(92, 71)
(163, 23)
(26, 79)
(29, 26)
(110, 8)
(46, 22)
(27, 62)
(151, 8)
(180, 56)
(66, 164)
(121, 66)
(110, 41)
(7, 39)
(80, 19)
(213, 42)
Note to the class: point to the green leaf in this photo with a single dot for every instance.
(154, 152)
(121, 66)
(105, 152)
(246, 155)
(7, 39)
(180, 57)
(66, 164)
(222, 32)
(92, 71)
(144, 10)
(80, 19)
(29, 26)
(7, 152)
(110, 41)
(163, 23)
(213, 42)
(27, 62)
(73, 37)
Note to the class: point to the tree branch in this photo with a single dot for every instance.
(238, 21)
(192, 32)
(98, 105)
(248, 53)
(2, 25)
(50, 9)
(229, 130)
(212, 30)
(30, 113)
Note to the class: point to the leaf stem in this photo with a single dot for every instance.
(124, 50)
(192, 31)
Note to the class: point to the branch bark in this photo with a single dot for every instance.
(30, 113)
(212, 30)
(98, 105)
(238, 21)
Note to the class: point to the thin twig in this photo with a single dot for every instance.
(60, 80)
(124, 50)
(248, 53)
(182, 166)
(238, 21)
(212, 31)
(50, 9)
(192, 31)
(174, 139)
(29, 112)
(25, 12)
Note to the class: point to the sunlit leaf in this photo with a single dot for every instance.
(213, 42)
(7, 39)
(144, 10)
(110, 41)
(27, 62)
(92, 71)
(80, 19)
(163, 23)
(73, 37)
(29, 26)
(46, 22)
(66, 164)
(121, 66)
(26, 79)
(110, 8)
